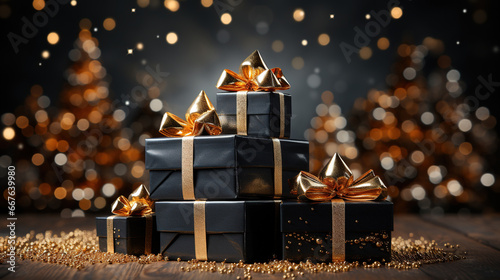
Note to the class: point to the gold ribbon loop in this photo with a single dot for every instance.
(200, 231)
(137, 204)
(336, 180)
(253, 76)
(201, 119)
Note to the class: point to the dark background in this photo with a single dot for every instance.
(206, 46)
(197, 59)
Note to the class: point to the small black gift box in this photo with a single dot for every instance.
(130, 234)
(222, 230)
(306, 229)
(224, 167)
(263, 113)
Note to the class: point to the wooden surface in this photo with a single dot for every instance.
(478, 235)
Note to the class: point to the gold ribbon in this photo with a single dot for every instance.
(149, 234)
(253, 76)
(335, 180)
(336, 183)
(282, 114)
(187, 168)
(200, 231)
(278, 168)
(241, 112)
(338, 230)
(201, 118)
(137, 204)
(110, 235)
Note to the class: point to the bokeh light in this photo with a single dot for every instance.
(53, 38)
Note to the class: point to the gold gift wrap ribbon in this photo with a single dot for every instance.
(201, 119)
(278, 168)
(138, 204)
(253, 76)
(336, 183)
(187, 168)
(200, 231)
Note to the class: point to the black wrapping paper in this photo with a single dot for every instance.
(129, 235)
(235, 230)
(263, 113)
(306, 231)
(225, 166)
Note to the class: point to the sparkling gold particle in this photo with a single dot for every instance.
(79, 249)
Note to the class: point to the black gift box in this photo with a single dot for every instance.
(225, 166)
(307, 231)
(235, 230)
(263, 113)
(129, 234)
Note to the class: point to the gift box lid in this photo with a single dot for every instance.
(225, 151)
(220, 216)
(360, 216)
(258, 103)
(129, 227)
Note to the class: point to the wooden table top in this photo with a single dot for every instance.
(478, 235)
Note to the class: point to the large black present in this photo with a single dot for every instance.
(223, 167)
(219, 230)
(267, 114)
(307, 231)
(132, 235)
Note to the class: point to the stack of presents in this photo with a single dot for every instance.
(228, 185)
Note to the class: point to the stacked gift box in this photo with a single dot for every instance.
(225, 184)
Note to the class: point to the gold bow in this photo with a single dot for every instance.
(253, 76)
(137, 204)
(335, 180)
(201, 118)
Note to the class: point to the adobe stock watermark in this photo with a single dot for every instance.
(31, 27)
(225, 6)
(483, 90)
(372, 28)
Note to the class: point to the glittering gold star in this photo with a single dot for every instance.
(130, 51)
(133, 10)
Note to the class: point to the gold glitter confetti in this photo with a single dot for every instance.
(78, 249)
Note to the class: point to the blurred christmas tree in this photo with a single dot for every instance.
(329, 135)
(433, 147)
(80, 155)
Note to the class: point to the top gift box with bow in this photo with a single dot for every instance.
(252, 104)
